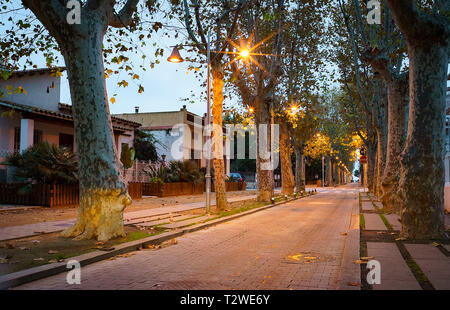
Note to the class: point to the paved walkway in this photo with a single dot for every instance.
(298, 245)
(14, 232)
(395, 272)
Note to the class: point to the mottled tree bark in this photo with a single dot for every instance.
(103, 195)
(371, 158)
(219, 167)
(287, 177)
(330, 172)
(397, 104)
(397, 88)
(263, 163)
(422, 161)
(300, 169)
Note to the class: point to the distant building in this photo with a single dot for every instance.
(39, 116)
(183, 142)
(447, 150)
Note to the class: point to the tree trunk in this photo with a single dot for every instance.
(217, 110)
(299, 169)
(371, 157)
(287, 177)
(330, 172)
(103, 195)
(422, 164)
(263, 161)
(397, 105)
(422, 161)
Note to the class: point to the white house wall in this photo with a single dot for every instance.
(36, 87)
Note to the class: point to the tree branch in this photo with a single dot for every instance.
(124, 17)
(191, 33)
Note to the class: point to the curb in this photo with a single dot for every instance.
(44, 271)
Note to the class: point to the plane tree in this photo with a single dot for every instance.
(49, 28)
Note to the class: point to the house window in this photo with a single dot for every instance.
(66, 140)
(37, 137)
(17, 139)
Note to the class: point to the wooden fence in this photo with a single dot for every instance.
(185, 188)
(52, 196)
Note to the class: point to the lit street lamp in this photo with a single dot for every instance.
(175, 57)
(243, 53)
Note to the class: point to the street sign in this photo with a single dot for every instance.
(363, 159)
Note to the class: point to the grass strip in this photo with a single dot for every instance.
(420, 276)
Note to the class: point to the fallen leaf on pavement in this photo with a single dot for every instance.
(53, 261)
(4, 261)
(436, 244)
(173, 241)
(400, 239)
(99, 243)
(53, 252)
(344, 234)
(295, 257)
(38, 259)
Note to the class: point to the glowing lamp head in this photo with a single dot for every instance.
(244, 53)
(251, 110)
(175, 57)
(294, 109)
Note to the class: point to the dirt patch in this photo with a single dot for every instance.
(50, 248)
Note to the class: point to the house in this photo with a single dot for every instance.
(180, 134)
(37, 115)
(447, 150)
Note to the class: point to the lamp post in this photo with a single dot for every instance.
(175, 57)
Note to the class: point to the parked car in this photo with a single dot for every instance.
(237, 176)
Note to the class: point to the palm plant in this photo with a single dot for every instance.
(44, 163)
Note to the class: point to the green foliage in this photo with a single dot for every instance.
(145, 146)
(44, 163)
(243, 165)
(185, 171)
(127, 156)
(177, 171)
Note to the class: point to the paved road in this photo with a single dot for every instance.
(299, 245)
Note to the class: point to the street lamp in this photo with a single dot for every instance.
(175, 57)
(245, 54)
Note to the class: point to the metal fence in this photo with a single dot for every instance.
(139, 171)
